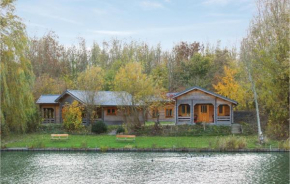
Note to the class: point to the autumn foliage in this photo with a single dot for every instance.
(72, 116)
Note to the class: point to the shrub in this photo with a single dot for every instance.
(104, 148)
(99, 127)
(277, 130)
(51, 128)
(231, 142)
(120, 129)
(249, 129)
(72, 116)
(285, 144)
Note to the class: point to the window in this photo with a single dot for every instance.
(48, 113)
(154, 113)
(204, 108)
(183, 109)
(168, 113)
(221, 109)
(111, 111)
(188, 109)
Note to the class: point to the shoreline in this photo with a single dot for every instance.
(192, 150)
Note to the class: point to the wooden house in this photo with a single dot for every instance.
(187, 107)
(199, 105)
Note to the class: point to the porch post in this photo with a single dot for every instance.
(60, 112)
(103, 115)
(232, 114)
(191, 112)
(176, 112)
(215, 111)
(54, 112)
(193, 104)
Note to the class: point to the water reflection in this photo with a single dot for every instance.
(27, 167)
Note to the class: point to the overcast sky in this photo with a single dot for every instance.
(153, 21)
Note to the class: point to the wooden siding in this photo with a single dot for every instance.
(162, 114)
(196, 95)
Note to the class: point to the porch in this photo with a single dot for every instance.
(209, 113)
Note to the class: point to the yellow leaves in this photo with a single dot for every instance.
(72, 116)
(131, 79)
(228, 86)
(92, 79)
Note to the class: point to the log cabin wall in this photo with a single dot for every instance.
(166, 113)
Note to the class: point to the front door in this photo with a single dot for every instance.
(204, 113)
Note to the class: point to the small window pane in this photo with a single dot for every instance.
(183, 109)
(221, 109)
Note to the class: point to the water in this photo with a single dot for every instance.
(214, 168)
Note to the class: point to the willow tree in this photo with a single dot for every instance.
(18, 111)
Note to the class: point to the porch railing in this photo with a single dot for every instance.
(223, 118)
(184, 118)
(49, 120)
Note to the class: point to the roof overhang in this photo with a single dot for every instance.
(68, 93)
(205, 91)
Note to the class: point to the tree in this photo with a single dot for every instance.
(91, 81)
(72, 116)
(18, 111)
(265, 52)
(139, 86)
(45, 84)
(228, 86)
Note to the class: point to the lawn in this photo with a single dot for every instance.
(98, 141)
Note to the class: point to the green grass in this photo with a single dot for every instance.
(98, 141)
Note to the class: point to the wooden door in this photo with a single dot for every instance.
(204, 113)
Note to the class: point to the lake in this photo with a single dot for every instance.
(81, 167)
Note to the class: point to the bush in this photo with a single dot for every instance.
(99, 127)
(277, 130)
(51, 128)
(249, 129)
(184, 130)
(72, 116)
(231, 142)
(285, 144)
(120, 129)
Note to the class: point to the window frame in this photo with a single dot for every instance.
(170, 110)
(111, 113)
(203, 109)
(221, 109)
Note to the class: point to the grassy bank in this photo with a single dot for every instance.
(99, 141)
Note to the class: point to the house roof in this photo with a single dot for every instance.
(104, 98)
(47, 99)
(206, 91)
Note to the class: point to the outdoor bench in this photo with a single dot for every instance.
(59, 136)
(125, 137)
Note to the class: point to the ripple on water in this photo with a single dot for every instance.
(27, 167)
